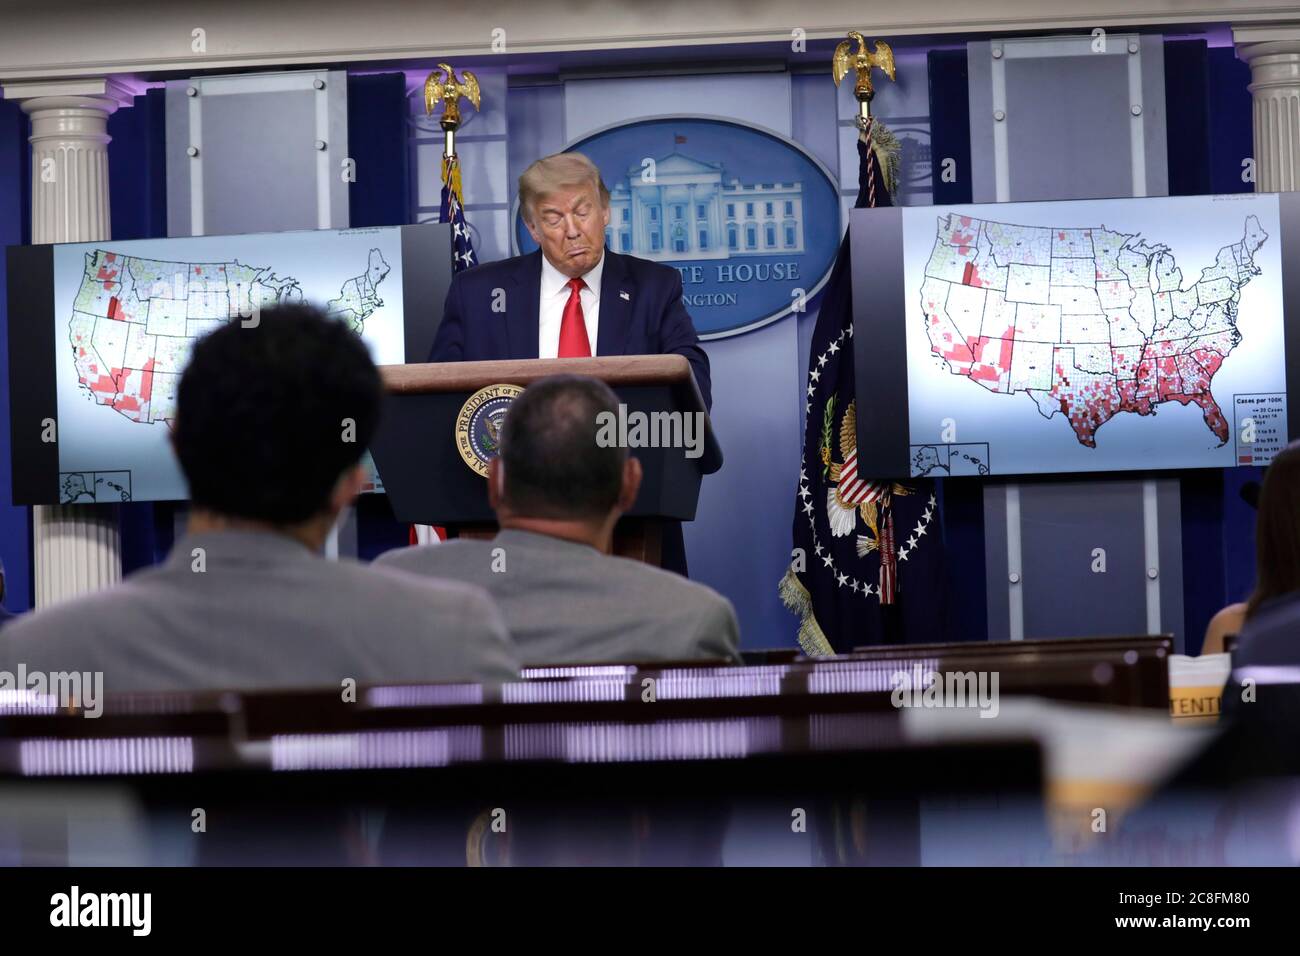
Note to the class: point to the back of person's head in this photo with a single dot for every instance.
(1277, 530)
(554, 466)
(270, 416)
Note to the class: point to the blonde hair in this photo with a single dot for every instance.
(552, 173)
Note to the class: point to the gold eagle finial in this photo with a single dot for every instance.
(443, 86)
(862, 62)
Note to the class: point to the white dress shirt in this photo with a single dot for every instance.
(554, 296)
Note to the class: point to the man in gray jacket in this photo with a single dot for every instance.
(272, 420)
(557, 495)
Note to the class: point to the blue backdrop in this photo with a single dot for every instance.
(1208, 134)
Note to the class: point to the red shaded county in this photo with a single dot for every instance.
(956, 351)
(1130, 400)
(115, 310)
(1090, 407)
(106, 385)
(965, 220)
(992, 361)
(993, 357)
(108, 277)
(1210, 412)
(1146, 378)
(1208, 359)
(146, 381)
(110, 257)
(1124, 359)
(967, 271)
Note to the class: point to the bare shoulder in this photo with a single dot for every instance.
(1227, 621)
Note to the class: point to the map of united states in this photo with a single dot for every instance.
(1088, 322)
(135, 320)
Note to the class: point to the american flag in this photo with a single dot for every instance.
(452, 211)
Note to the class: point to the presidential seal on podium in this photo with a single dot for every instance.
(478, 426)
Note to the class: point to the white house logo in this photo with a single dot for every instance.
(749, 218)
(687, 213)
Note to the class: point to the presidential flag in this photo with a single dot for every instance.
(452, 211)
(866, 565)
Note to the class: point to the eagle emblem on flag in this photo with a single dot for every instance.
(853, 532)
(850, 496)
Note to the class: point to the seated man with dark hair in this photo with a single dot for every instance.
(557, 495)
(272, 420)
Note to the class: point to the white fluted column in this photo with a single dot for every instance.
(1273, 53)
(76, 548)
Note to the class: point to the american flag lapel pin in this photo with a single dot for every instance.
(625, 297)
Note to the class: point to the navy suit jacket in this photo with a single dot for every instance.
(641, 313)
(1272, 636)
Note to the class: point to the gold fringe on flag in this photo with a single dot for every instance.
(796, 597)
(451, 176)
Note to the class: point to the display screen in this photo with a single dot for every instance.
(101, 332)
(1082, 336)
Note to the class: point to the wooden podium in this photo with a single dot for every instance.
(428, 482)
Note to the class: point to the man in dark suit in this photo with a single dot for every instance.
(573, 298)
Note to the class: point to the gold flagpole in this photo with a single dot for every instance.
(443, 86)
(884, 144)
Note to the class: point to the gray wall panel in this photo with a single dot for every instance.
(259, 164)
(1079, 151)
(1061, 524)
(1069, 131)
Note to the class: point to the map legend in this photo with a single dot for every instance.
(1260, 426)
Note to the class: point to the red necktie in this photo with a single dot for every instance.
(573, 327)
